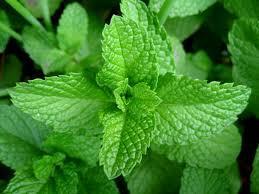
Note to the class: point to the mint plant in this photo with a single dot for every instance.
(135, 106)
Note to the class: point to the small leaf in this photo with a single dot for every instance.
(4, 37)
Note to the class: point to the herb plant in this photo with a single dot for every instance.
(123, 103)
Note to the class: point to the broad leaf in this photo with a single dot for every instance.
(20, 138)
(72, 28)
(194, 109)
(127, 134)
(65, 102)
(217, 151)
(244, 47)
(137, 11)
(255, 174)
(128, 53)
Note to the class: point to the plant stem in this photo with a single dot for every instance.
(164, 11)
(10, 31)
(25, 13)
(46, 15)
(4, 92)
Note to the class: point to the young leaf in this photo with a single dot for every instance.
(204, 181)
(182, 8)
(4, 37)
(194, 109)
(42, 48)
(127, 134)
(137, 11)
(217, 151)
(84, 146)
(72, 28)
(66, 102)
(255, 174)
(21, 137)
(244, 47)
(128, 53)
(156, 175)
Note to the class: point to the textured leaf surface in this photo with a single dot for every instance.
(217, 151)
(255, 174)
(127, 134)
(42, 48)
(193, 109)
(96, 182)
(156, 175)
(128, 53)
(204, 181)
(72, 29)
(81, 145)
(4, 37)
(66, 102)
(20, 137)
(137, 11)
(243, 8)
(183, 8)
(244, 47)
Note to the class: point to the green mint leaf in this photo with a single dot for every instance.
(197, 65)
(234, 179)
(204, 181)
(243, 8)
(194, 109)
(24, 182)
(183, 27)
(4, 37)
(96, 182)
(21, 137)
(34, 6)
(42, 48)
(182, 8)
(65, 102)
(127, 134)
(72, 28)
(155, 174)
(244, 47)
(83, 145)
(255, 174)
(44, 167)
(137, 11)
(128, 53)
(67, 180)
(179, 53)
(217, 151)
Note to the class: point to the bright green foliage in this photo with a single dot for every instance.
(44, 167)
(67, 102)
(156, 175)
(244, 47)
(35, 8)
(183, 8)
(138, 12)
(183, 27)
(193, 109)
(204, 181)
(217, 151)
(179, 53)
(42, 48)
(20, 139)
(127, 134)
(4, 37)
(96, 182)
(72, 29)
(82, 145)
(255, 174)
(128, 53)
(243, 8)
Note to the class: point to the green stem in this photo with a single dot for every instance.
(25, 13)
(10, 31)
(4, 92)
(46, 15)
(165, 10)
